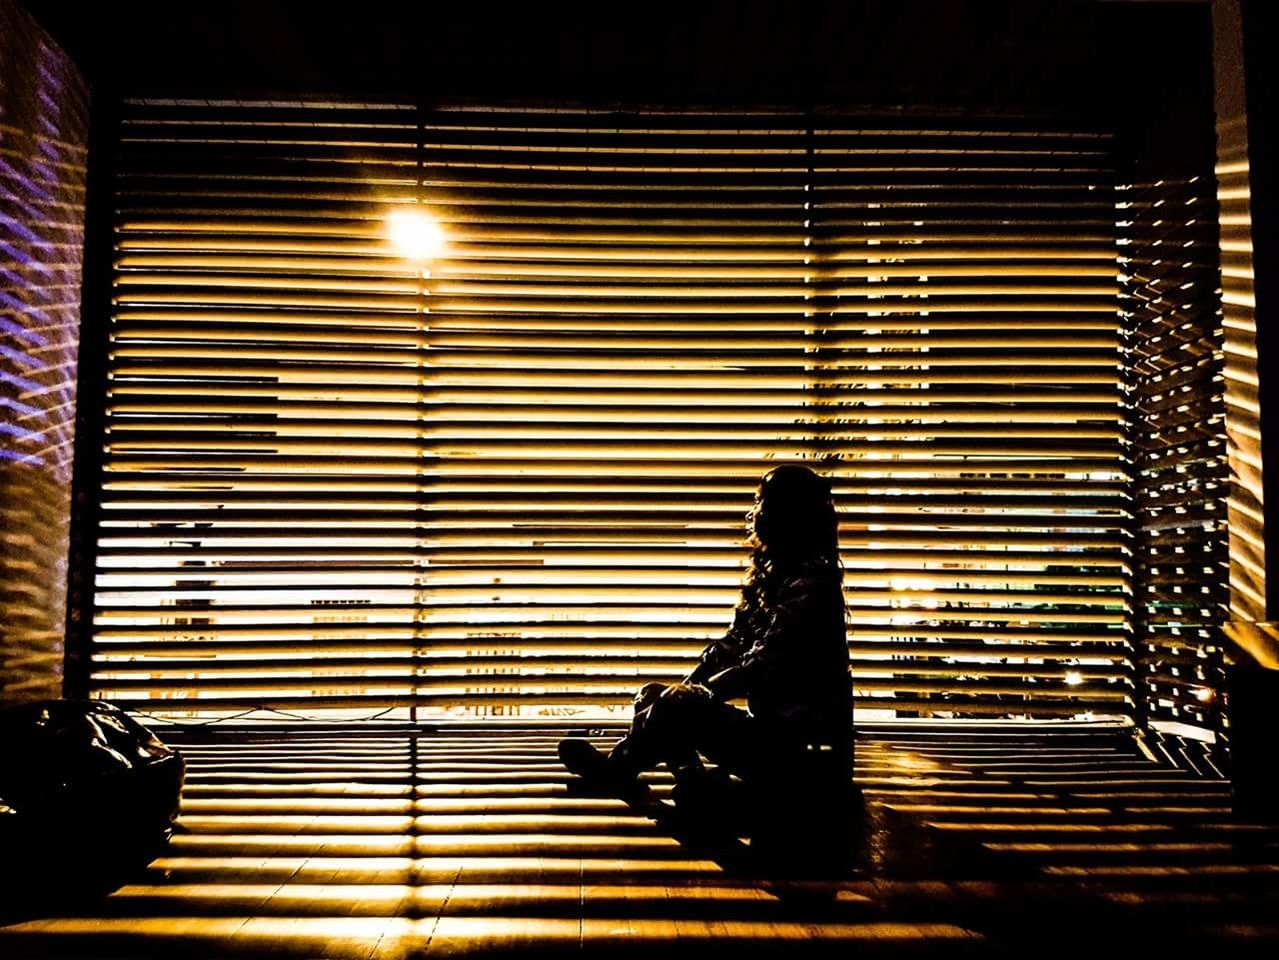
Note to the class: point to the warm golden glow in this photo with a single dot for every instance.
(333, 492)
(415, 235)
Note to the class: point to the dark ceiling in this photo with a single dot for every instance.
(1026, 53)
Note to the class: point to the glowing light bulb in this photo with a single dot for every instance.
(415, 235)
(1074, 678)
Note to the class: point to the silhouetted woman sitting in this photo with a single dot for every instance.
(785, 654)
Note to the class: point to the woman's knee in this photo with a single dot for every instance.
(682, 693)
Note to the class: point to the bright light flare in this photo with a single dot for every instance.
(415, 235)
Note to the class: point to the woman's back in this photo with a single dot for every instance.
(803, 686)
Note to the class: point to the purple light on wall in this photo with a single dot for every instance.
(43, 135)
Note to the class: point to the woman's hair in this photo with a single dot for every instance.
(795, 524)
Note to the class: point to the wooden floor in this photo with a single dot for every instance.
(384, 845)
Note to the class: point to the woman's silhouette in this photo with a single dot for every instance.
(785, 654)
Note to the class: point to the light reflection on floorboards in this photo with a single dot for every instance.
(379, 845)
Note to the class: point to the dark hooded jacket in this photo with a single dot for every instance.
(787, 654)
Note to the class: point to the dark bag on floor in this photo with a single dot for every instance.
(84, 789)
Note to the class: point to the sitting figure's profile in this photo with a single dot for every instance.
(785, 654)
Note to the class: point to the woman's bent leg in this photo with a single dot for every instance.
(583, 758)
(674, 726)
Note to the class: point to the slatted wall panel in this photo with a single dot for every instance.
(43, 134)
(1243, 411)
(1174, 327)
(513, 484)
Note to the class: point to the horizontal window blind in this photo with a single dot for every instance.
(510, 481)
(1180, 398)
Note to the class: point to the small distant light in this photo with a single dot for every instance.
(1205, 695)
(415, 235)
(1074, 678)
